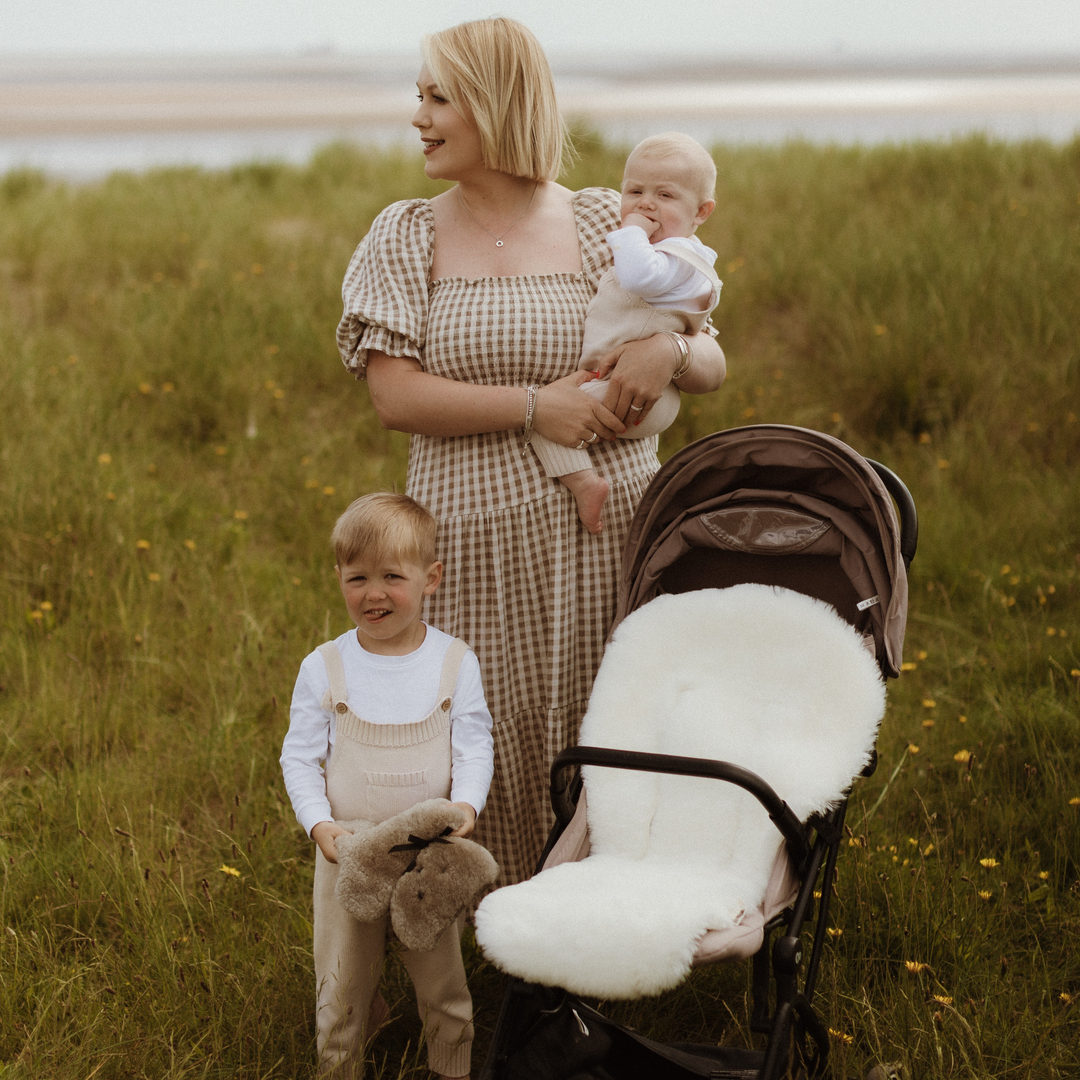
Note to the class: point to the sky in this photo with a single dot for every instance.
(751, 28)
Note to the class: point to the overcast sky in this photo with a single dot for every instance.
(717, 27)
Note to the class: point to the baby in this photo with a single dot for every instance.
(396, 710)
(662, 281)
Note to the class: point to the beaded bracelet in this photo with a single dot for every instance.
(530, 408)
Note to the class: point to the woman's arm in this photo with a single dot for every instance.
(641, 369)
(407, 398)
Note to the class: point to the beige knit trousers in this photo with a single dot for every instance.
(375, 772)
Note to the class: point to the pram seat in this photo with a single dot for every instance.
(761, 676)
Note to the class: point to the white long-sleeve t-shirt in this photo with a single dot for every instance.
(385, 690)
(660, 279)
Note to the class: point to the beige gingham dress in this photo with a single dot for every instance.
(530, 590)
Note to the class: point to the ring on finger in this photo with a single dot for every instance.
(637, 408)
(595, 436)
(581, 445)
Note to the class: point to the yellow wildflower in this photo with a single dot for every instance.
(912, 748)
(989, 862)
(928, 724)
(240, 515)
(1043, 875)
(841, 1036)
(104, 459)
(941, 999)
(985, 894)
(963, 756)
(45, 605)
(328, 490)
(835, 932)
(880, 330)
(908, 665)
(916, 967)
(230, 870)
(143, 545)
(922, 654)
(154, 577)
(929, 703)
(145, 388)
(189, 544)
(1074, 801)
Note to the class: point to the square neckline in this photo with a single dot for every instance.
(573, 275)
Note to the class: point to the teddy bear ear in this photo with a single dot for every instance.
(447, 878)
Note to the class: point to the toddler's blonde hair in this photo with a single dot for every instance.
(385, 524)
(695, 161)
(495, 72)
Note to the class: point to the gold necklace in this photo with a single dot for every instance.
(497, 239)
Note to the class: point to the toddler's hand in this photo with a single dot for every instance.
(642, 222)
(325, 834)
(470, 819)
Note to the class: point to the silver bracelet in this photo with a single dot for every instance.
(530, 408)
(684, 355)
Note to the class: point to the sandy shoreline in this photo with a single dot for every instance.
(39, 98)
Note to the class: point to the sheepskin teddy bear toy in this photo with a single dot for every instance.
(411, 866)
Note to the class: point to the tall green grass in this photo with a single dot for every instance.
(178, 436)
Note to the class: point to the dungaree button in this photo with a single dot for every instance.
(341, 706)
(446, 705)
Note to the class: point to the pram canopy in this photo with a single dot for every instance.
(778, 505)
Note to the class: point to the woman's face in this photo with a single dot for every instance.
(451, 142)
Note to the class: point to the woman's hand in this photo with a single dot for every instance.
(639, 370)
(566, 416)
(325, 834)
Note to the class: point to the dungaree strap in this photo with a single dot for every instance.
(451, 666)
(336, 671)
(693, 258)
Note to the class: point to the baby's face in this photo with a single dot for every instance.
(657, 189)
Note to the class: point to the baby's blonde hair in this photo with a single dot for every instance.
(385, 524)
(695, 161)
(495, 72)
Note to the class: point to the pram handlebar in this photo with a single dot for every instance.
(779, 812)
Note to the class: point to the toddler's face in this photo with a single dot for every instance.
(657, 189)
(384, 598)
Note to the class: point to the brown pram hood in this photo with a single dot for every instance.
(802, 499)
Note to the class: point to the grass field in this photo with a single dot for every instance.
(177, 436)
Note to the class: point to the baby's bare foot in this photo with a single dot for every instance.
(590, 492)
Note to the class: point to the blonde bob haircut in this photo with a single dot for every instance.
(385, 525)
(494, 71)
(692, 159)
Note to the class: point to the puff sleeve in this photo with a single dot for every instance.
(385, 291)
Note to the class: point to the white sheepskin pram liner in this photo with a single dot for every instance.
(759, 676)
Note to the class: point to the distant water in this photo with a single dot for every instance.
(82, 121)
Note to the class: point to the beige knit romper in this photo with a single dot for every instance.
(375, 772)
(613, 318)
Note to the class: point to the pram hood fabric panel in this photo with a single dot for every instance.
(763, 467)
(765, 678)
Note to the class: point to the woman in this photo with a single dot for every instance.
(465, 315)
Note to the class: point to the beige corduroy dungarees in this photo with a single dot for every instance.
(375, 772)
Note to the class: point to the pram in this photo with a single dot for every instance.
(763, 598)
